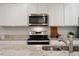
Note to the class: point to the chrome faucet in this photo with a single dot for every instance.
(70, 39)
(70, 45)
(60, 38)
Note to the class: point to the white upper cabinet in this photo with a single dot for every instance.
(56, 14)
(71, 14)
(14, 14)
(32, 8)
(59, 14)
(2, 15)
(43, 8)
(37, 8)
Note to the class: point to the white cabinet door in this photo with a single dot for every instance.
(32, 8)
(56, 14)
(43, 8)
(2, 15)
(37, 8)
(15, 14)
(71, 14)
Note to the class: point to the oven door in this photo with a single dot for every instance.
(38, 40)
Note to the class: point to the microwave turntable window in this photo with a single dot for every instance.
(36, 20)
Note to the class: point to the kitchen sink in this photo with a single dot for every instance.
(59, 48)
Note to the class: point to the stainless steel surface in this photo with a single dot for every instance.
(38, 24)
(38, 14)
(38, 33)
(38, 41)
(38, 19)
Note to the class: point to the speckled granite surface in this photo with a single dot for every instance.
(25, 50)
(20, 48)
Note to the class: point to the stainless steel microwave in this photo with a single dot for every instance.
(38, 19)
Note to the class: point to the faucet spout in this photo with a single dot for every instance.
(61, 39)
(70, 39)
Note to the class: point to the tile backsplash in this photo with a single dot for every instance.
(64, 30)
(25, 30)
(20, 30)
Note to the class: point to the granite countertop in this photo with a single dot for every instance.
(25, 50)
